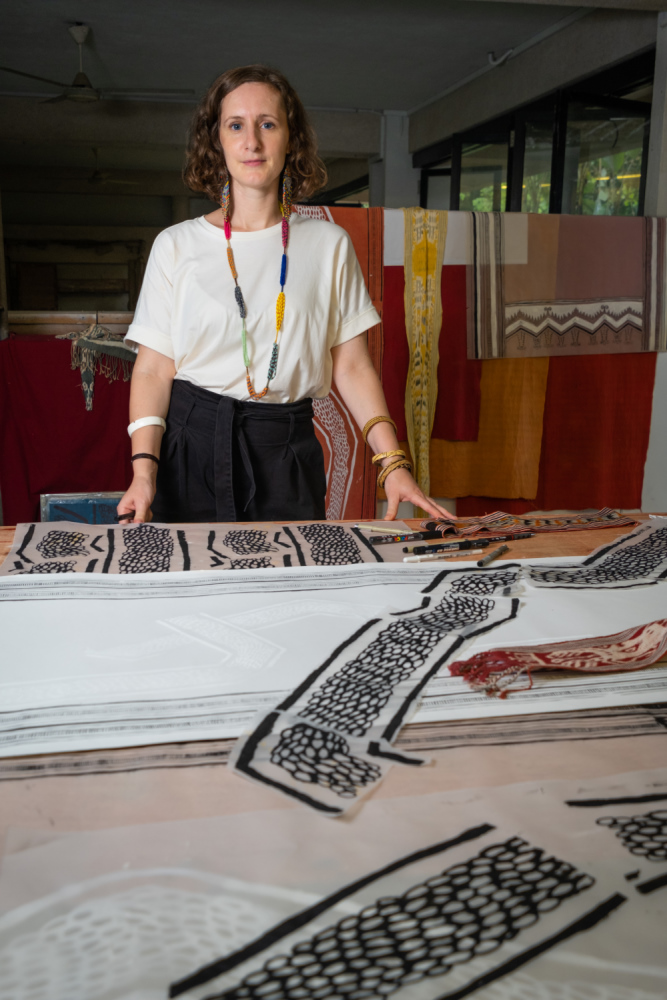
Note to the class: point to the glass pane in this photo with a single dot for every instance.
(603, 160)
(437, 194)
(537, 167)
(483, 177)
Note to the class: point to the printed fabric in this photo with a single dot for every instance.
(502, 523)
(425, 235)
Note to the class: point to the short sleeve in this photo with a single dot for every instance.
(356, 312)
(151, 326)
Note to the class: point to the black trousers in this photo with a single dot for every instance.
(227, 460)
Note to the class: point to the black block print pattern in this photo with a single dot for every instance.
(643, 835)
(52, 567)
(624, 566)
(262, 563)
(248, 541)
(147, 550)
(59, 544)
(320, 758)
(354, 696)
(481, 584)
(331, 544)
(469, 910)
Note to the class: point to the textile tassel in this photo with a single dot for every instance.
(273, 365)
(280, 311)
(232, 265)
(283, 271)
(238, 295)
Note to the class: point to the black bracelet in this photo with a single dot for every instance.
(145, 455)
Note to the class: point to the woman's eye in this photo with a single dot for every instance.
(268, 125)
(235, 126)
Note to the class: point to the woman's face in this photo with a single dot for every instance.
(254, 135)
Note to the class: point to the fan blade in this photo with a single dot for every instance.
(31, 76)
(54, 100)
(144, 90)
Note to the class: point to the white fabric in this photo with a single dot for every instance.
(187, 310)
(146, 422)
(153, 658)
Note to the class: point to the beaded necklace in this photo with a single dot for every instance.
(286, 209)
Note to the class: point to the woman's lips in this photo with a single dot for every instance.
(253, 163)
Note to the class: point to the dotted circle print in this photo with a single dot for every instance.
(643, 835)
(469, 910)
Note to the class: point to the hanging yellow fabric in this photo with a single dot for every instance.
(425, 235)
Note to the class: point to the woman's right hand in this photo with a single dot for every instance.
(138, 500)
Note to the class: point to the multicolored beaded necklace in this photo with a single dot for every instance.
(286, 209)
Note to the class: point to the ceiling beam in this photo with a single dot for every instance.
(652, 5)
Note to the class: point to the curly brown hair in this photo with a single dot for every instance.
(205, 168)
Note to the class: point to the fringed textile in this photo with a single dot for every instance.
(496, 671)
(425, 236)
(98, 349)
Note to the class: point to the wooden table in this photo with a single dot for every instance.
(190, 781)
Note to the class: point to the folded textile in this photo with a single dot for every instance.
(497, 670)
(554, 285)
(505, 458)
(506, 523)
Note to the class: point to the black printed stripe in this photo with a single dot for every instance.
(585, 923)
(624, 800)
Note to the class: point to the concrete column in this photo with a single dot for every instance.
(655, 202)
(394, 182)
(3, 283)
(654, 493)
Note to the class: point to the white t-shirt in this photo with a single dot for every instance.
(187, 310)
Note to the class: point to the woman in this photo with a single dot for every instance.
(247, 290)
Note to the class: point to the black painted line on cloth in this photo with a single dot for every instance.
(651, 885)
(291, 924)
(312, 677)
(624, 800)
(596, 556)
(585, 923)
(299, 551)
(90, 568)
(372, 548)
(26, 540)
(287, 559)
(374, 750)
(397, 721)
(94, 544)
(182, 541)
(107, 561)
(468, 569)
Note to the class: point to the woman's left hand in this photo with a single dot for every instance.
(400, 486)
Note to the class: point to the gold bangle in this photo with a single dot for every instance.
(376, 459)
(376, 420)
(401, 463)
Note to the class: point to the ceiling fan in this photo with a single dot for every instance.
(81, 89)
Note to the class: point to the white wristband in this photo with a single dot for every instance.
(147, 422)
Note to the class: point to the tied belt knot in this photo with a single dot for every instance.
(240, 427)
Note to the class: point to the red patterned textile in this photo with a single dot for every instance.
(49, 443)
(495, 670)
